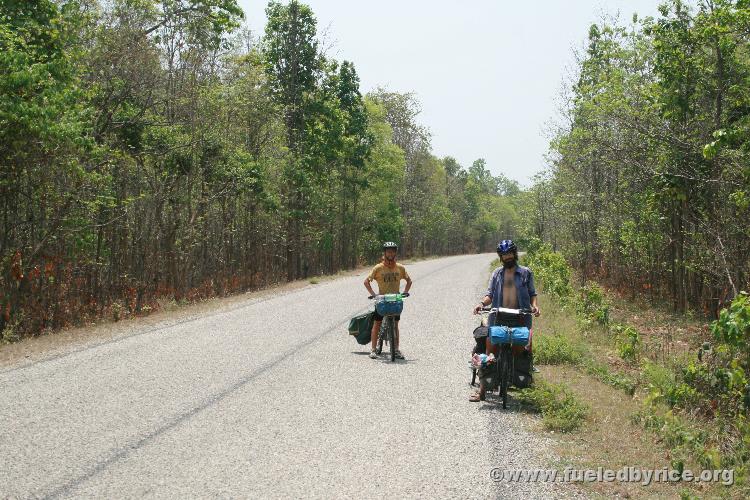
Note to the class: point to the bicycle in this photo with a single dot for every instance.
(389, 306)
(507, 330)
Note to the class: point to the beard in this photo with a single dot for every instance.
(508, 264)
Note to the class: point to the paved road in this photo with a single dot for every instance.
(270, 398)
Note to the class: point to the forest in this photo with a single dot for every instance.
(156, 151)
(648, 180)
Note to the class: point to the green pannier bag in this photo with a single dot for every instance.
(360, 327)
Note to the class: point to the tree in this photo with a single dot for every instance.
(292, 65)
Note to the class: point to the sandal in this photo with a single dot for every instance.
(477, 397)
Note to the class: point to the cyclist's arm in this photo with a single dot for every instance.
(408, 284)
(486, 300)
(532, 293)
(368, 286)
(535, 306)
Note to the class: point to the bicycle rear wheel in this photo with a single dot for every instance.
(506, 370)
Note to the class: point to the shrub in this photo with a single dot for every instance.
(628, 342)
(733, 328)
(560, 409)
(557, 350)
(551, 272)
(591, 304)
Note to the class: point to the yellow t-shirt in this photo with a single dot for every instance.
(389, 279)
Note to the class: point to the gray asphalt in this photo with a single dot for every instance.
(272, 398)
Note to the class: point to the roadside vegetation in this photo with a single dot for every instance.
(687, 389)
(641, 241)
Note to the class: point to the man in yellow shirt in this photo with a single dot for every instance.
(388, 275)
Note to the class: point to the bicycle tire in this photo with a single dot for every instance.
(379, 348)
(507, 370)
(392, 337)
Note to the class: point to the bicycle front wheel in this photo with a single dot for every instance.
(392, 337)
(381, 334)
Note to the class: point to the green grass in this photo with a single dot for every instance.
(560, 408)
(557, 349)
(611, 378)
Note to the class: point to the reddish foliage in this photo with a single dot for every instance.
(15, 266)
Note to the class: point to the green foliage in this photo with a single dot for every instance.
(648, 185)
(628, 341)
(557, 349)
(733, 326)
(666, 387)
(151, 152)
(561, 409)
(713, 388)
(551, 271)
(614, 379)
(683, 439)
(592, 305)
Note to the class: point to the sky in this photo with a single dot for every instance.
(488, 73)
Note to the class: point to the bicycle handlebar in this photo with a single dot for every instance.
(505, 310)
(403, 295)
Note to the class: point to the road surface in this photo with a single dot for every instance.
(271, 398)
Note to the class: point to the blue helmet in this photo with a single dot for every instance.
(506, 246)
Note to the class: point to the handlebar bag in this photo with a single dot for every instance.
(505, 319)
(390, 304)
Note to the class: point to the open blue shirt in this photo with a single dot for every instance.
(524, 288)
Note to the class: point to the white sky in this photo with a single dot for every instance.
(487, 72)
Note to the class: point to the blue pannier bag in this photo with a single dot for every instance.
(518, 335)
(390, 304)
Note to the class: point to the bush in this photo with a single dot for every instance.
(665, 386)
(628, 342)
(557, 350)
(733, 328)
(722, 372)
(680, 437)
(560, 409)
(592, 305)
(551, 272)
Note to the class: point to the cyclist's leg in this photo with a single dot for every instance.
(397, 319)
(491, 348)
(375, 329)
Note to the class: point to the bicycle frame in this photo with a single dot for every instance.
(504, 365)
(387, 334)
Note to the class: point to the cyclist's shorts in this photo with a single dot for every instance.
(378, 317)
